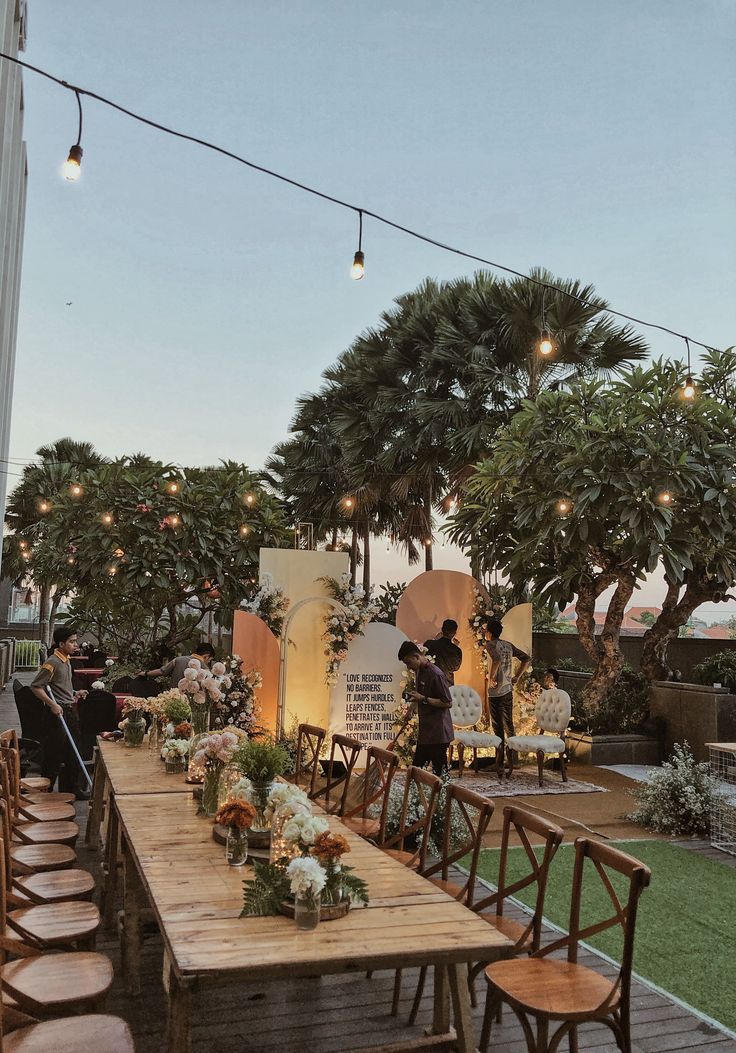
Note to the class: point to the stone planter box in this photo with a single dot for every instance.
(694, 714)
(613, 749)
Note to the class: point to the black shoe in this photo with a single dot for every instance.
(81, 795)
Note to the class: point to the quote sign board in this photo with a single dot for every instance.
(368, 689)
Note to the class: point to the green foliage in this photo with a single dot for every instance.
(679, 796)
(388, 601)
(623, 710)
(261, 760)
(177, 710)
(353, 885)
(719, 669)
(571, 665)
(266, 892)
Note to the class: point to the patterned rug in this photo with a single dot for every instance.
(523, 784)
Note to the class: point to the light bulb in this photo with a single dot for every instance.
(75, 490)
(73, 165)
(112, 571)
(244, 530)
(23, 545)
(106, 518)
(44, 506)
(70, 560)
(545, 343)
(173, 488)
(563, 506)
(428, 542)
(249, 499)
(26, 554)
(688, 388)
(348, 502)
(119, 552)
(358, 268)
(174, 521)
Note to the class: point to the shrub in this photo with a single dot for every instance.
(720, 669)
(571, 665)
(261, 760)
(679, 796)
(622, 712)
(458, 827)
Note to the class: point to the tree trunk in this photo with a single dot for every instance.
(428, 554)
(366, 556)
(43, 616)
(334, 539)
(353, 557)
(54, 608)
(675, 612)
(610, 661)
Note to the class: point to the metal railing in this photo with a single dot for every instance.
(27, 654)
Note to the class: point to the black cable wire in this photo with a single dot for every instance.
(346, 204)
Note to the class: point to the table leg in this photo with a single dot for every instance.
(94, 819)
(110, 886)
(441, 1013)
(179, 1033)
(133, 901)
(461, 1008)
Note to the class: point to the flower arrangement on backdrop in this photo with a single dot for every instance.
(238, 705)
(340, 628)
(270, 604)
(482, 609)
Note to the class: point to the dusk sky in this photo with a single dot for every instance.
(593, 139)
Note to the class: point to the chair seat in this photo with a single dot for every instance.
(363, 827)
(35, 782)
(43, 857)
(56, 885)
(409, 859)
(53, 982)
(46, 813)
(513, 930)
(557, 989)
(57, 923)
(532, 743)
(44, 797)
(69, 1036)
(449, 887)
(477, 739)
(61, 832)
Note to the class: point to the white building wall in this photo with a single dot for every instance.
(13, 176)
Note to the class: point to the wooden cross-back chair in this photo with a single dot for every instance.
(41, 886)
(550, 990)
(62, 831)
(473, 811)
(421, 790)
(46, 808)
(31, 784)
(344, 753)
(66, 925)
(309, 741)
(377, 779)
(37, 855)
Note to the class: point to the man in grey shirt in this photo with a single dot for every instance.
(501, 679)
(175, 668)
(56, 674)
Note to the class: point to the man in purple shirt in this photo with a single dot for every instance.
(431, 701)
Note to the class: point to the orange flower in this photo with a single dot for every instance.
(329, 847)
(183, 730)
(236, 813)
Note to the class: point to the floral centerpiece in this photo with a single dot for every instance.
(213, 752)
(238, 705)
(133, 724)
(261, 761)
(175, 752)
(306, 881)
(202, 689)
(340, 881)
(341, 628)
(270, 604)
(174, 708)
(237, 816)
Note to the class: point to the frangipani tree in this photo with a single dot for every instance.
(591, 489)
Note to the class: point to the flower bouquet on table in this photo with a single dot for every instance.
(202, 690)
(213, 752)
(174, 709)
(261, 760)
(133, 724)
(174, 753)
(237, 817)
(341, 884)
(238, 705)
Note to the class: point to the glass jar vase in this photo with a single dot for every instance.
(236, 847)
(260, 794)
(306, 912)
(175, 765)
(134, 730)
(200, 718)
(212, 773)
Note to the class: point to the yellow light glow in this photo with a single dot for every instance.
(173, 488)
(244, 530)
(564, 505)
(174, 521)
(44, 506)
(112, 571)
(72, 167)
(348, 502)
(119, 552)
(358, 268)
(70, 559)
(76, 490)
(250, 499)
(664, 497)
(107, 518)
(688, 388)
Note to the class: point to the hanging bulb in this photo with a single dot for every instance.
(688, 388)
(545, 342)
(70, 560)
(23, 545)
(664, 497)
(244, 530)
(174, 521)
(172, 487)
(250, 499)
(76, 490)
(428, 542)
(44, 506)
(112, 571)
(72, 168)
(348, 503)
(107, 518)
(564, 505)
(358, 268)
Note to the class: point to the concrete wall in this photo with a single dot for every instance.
(683, 654)
(696, 715)
(13, 173)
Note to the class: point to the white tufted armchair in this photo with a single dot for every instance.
(552, 714)
(466, 711)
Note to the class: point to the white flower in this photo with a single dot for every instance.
(306, 876)
(109, 662)
(189, 674)
(305, 828)
(194, 663)
(218, 669)
(242, 790)
(99, 685)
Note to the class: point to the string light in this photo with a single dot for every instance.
(545, 340)
(76, 490)
(244, 530)
(174, 520)
(44, 506)
(107, 518)
(348, 503)
(70, 560)
(173, 488)
(249, 499)
(112, 571)
(664, 497)
(564, 505)
(330, 198)
(688, 388)
(358, 268)
(23, 545)
(73, 165)
(428, 542)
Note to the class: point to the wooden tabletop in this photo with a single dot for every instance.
(137, 770)
(197, 899)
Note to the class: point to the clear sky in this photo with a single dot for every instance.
(594, 139)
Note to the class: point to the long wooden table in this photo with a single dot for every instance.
(171, 862)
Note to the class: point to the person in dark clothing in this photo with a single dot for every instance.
(501, 680)
(431, 701)
(444, 650)
(56, 673)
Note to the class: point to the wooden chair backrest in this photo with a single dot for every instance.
(474, 811)
(7, 840)
(345, 751)
(421, 789)
(376, 786)
(6, 787)
(12, 760)
(9, 738)
(309, 741)
(605, 858)
(522, 823)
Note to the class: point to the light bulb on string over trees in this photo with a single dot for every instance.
(688, 388)
(72, 167)
(564, 506)
(357, 271)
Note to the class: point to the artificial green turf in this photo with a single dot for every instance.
(685, 924)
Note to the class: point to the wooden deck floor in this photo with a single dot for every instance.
(341, 1013)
